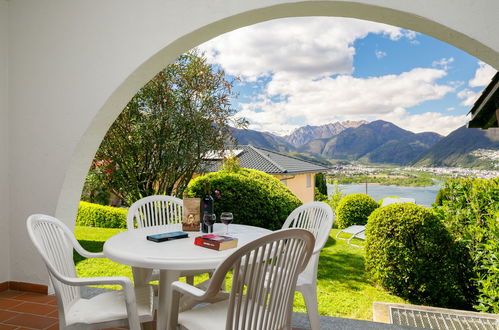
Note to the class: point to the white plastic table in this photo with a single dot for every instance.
(170, 257)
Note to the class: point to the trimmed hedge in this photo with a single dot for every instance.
(354, 209)
(95, 215)
(255, 198)
(410, 253)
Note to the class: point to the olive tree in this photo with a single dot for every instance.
(157, 143)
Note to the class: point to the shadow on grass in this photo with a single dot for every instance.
(90, 246)
(330, 242)
(347, 268)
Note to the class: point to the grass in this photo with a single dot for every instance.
(343, 287)
(407, 178)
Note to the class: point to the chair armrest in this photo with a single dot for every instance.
(124, 282)
(189, 290)
(90, 255)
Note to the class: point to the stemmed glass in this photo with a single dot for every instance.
(226, 218)
(209, 219)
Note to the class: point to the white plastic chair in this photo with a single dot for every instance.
(128, 307)
(316, 217)
(158, 210)
(252, 304)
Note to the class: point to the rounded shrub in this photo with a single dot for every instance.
(410, 253)
(95, 215)
(255, 198)
(354, 209)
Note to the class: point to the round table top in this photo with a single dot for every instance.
(132, 248)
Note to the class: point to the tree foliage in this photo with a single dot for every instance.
(320, 183)
(157, 143)
(470, 210)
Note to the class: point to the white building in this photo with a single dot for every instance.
(67, 68)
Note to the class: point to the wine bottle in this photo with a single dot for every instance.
(206, 207)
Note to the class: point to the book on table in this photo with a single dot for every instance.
(167, 236)
(216, 242)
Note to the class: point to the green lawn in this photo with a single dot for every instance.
(343, 287)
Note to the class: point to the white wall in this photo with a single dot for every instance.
(4, 145)
(75, 64)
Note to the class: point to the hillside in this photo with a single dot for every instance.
(379, 142)
(305, 134)
(261, 139)
(376, 142)
(464, 147)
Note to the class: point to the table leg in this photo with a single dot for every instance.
(166, 278)
(141, 276)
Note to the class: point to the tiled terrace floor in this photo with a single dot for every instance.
(27, 311)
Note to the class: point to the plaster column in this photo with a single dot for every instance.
(4, 144)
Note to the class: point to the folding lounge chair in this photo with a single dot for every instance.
(357, 231)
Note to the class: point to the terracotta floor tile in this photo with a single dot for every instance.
(33, 308)
(31, 321)
(10, 294)
(7, 327)
(53, 327)
(5, 315)
(37, 298)
(6, 303)
(53, 314)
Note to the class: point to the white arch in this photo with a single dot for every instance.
(86, 58)
(111, 109)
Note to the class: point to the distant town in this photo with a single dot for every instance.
(443, 172)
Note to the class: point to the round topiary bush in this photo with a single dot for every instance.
(410, 253)
(255, 198)
(354, 209)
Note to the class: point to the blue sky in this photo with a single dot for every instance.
(316, 70)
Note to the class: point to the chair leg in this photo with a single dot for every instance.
(309, 293)
(147, 326)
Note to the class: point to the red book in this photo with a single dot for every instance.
(216, 242)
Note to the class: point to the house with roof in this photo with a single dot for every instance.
(297, 174)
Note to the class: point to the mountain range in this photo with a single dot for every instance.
(464, 147)
(305, 134)
(380, 142)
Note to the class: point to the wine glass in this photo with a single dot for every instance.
(210, 219)
(226, 218)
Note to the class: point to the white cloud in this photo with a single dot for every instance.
(483, 75)
(307, 63)
(469, 97)
(443, 63)
(425, 122)
(451, 109)
(380, 54)
(321, 101)
(303, 47)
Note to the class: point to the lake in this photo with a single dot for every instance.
(424, 196)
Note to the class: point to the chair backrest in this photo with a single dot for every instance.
(157, 210)
(316, 217)
(265, 273)
(55, 242)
